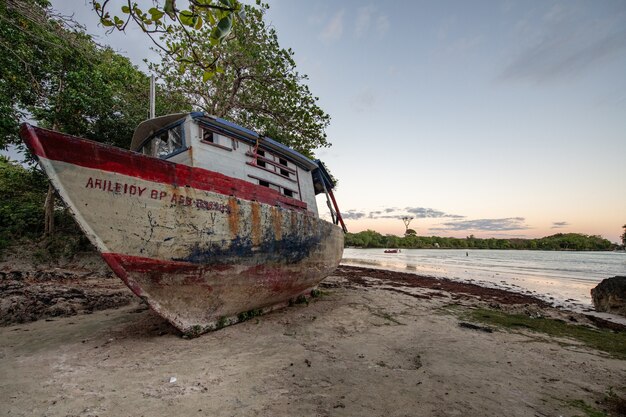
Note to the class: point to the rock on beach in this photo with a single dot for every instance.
(610, 295)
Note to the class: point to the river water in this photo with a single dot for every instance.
(561, 278)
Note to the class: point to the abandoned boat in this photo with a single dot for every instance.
(207, 221)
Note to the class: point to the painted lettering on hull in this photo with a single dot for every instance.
(123, 188)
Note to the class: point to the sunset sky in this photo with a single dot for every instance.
(499, 118)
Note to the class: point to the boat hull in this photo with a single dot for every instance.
(202, 249)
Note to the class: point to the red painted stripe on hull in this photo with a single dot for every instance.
(140, 264)
(125, 265)
(78, 151)
(114, 263)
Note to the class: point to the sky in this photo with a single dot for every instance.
(491, 118)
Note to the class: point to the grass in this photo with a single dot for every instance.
(301, 300)
(586, 408)
(247, 315)
(613, 343)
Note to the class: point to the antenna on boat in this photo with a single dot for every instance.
(152, 97)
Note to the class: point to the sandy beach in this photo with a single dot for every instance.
(374, 343)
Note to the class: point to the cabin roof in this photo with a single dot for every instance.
(148, 127)
(251, 136)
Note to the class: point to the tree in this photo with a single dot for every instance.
(99, 95)
(156, 19)
(60, 78)
(30, 37)
(624, 236)
(257, 84)
(21, 206)
(410, 232)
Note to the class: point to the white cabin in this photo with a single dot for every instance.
(203, 141)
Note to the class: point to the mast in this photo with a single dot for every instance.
(152, 98)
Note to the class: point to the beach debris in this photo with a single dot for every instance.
(471, 326)
(308, 362)
(172, 379)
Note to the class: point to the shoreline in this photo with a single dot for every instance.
(463, 290)
(562, 279)
(31, 292)
(587, 310)
(374, 343)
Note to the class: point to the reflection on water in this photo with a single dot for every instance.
(564, 278)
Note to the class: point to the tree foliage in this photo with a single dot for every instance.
(57, 76)
(256, 86)
(21, 207)
(214, 18)
(560, 241)
(29, 38)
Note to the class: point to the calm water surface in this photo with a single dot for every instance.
(563, 278)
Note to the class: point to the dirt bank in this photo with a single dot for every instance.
(371, 345)
(32, 290)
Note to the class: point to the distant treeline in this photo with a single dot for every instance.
(559, 241)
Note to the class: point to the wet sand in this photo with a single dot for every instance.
(376, 343)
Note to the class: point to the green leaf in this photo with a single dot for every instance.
(227, 3)
(156, 14)
(211, 16)
(186, 18)
(169, 8)
(198, 23)
(106, 22)
(207, 75)
(223, 28)
(125, 9)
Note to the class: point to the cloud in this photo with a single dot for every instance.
(365, 101)
(490, 225)
(569, 45)
(558, 225)
(334, 28)
(382, 25)
(363, 20)
(366, 22)
(352, 215)
(423, 213)
(399, 213)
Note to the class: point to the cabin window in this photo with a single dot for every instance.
(261, 163)
(260, 153)
(214, 138)
(282, 161)
(284, 172)
(264, 183)
(287, 192)
(165, 143)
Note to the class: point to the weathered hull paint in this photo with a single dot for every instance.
(200, 248)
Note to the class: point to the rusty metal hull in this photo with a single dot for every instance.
(200, 248)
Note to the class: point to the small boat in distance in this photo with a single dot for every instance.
(205, 220)
(392, 250)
